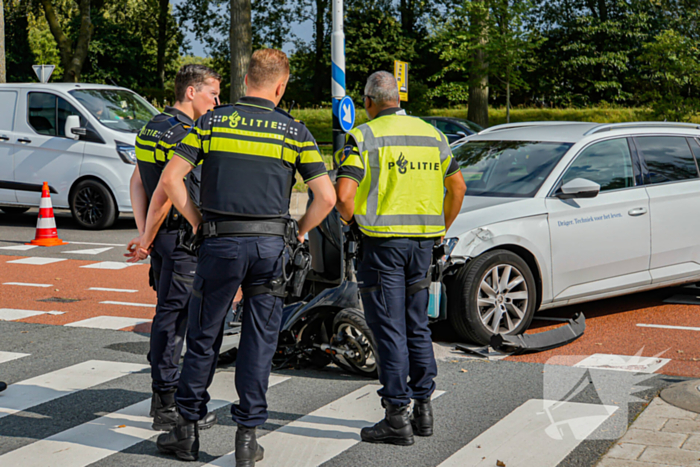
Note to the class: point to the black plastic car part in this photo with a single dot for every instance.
(525, 343)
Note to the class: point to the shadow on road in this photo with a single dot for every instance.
(64, 220)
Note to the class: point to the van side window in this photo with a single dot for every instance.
(47, 113)
(667, 158)
(42, 113)
(608, 163)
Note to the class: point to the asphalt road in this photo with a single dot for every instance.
(75, 338)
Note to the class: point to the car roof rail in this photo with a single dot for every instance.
(615, 126)
(508, 126)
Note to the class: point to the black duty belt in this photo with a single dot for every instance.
(244, 229)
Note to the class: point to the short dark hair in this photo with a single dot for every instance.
(266, 67)
(192, 75)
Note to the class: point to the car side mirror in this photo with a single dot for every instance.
(462, 134)
(578, 188)
(72, 127)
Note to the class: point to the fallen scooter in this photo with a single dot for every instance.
(327, 325)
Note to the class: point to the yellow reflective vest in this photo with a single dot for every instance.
(405, 162)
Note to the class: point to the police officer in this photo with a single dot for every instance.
(391, 181)
(250, 152)
(196, 90)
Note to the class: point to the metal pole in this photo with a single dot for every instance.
(337, 72)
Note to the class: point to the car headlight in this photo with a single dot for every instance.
(127, 152)
(450, 244)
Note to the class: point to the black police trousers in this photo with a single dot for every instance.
(224, 264)
(174, 272)
(398, 321)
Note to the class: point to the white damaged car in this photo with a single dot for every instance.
(559, 213)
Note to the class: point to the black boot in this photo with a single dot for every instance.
(183, 440)
(422, 418)
(248, 451)
(3, 386)
(164, 410)
(165, 413)
(394, 429)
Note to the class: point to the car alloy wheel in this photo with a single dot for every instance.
(89, 205)
(502, 299)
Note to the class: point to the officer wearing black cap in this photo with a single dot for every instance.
(196, 89)
(399, 183)
(250, 153)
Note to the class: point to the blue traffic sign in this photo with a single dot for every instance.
(346, 113)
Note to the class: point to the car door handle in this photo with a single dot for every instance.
(4, 138)
(24, 140)
(637, 212)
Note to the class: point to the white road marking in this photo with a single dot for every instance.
(105, 289)
(11, 314)
(631, 363)
(667, 326)
(93, 251)
(47, 387)
(92, 441)
(9, 356)
(36, 260)
(98, 244)
(321, 435)
(109, 302)
(108, 322)
(18, 247)
(108, 265)
(26, 284)
(539, 432)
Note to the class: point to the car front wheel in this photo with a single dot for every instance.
(493, 294)
(92, 205)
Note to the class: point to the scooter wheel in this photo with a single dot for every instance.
(352, 333)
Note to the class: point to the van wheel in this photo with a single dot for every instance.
(493, 294)
(13, 211)
(92, 205)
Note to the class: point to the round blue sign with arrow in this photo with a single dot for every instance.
(346, 114)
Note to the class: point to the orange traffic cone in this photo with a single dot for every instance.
(46, 233)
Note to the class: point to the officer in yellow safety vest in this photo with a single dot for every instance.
(392, 176)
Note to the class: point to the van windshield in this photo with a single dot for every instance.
(507, 168)
(117, 109)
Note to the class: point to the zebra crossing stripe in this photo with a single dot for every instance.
(47, 387)
(9, 356)
(558, 427)
(321, 435)
(92, 441)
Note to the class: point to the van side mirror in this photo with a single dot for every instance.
(578, 188)
(72, 128)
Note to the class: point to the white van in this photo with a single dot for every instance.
(77, 137)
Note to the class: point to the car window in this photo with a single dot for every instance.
(447, 127)
(667, 158)
(117, 109)
(48, 113)
(42, 113)
(608, 163)
(507, 168)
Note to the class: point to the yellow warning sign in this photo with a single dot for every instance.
(401, 75)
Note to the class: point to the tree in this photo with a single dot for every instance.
(672, 66)
(3, 71)
(73, 53)
(241, 40)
